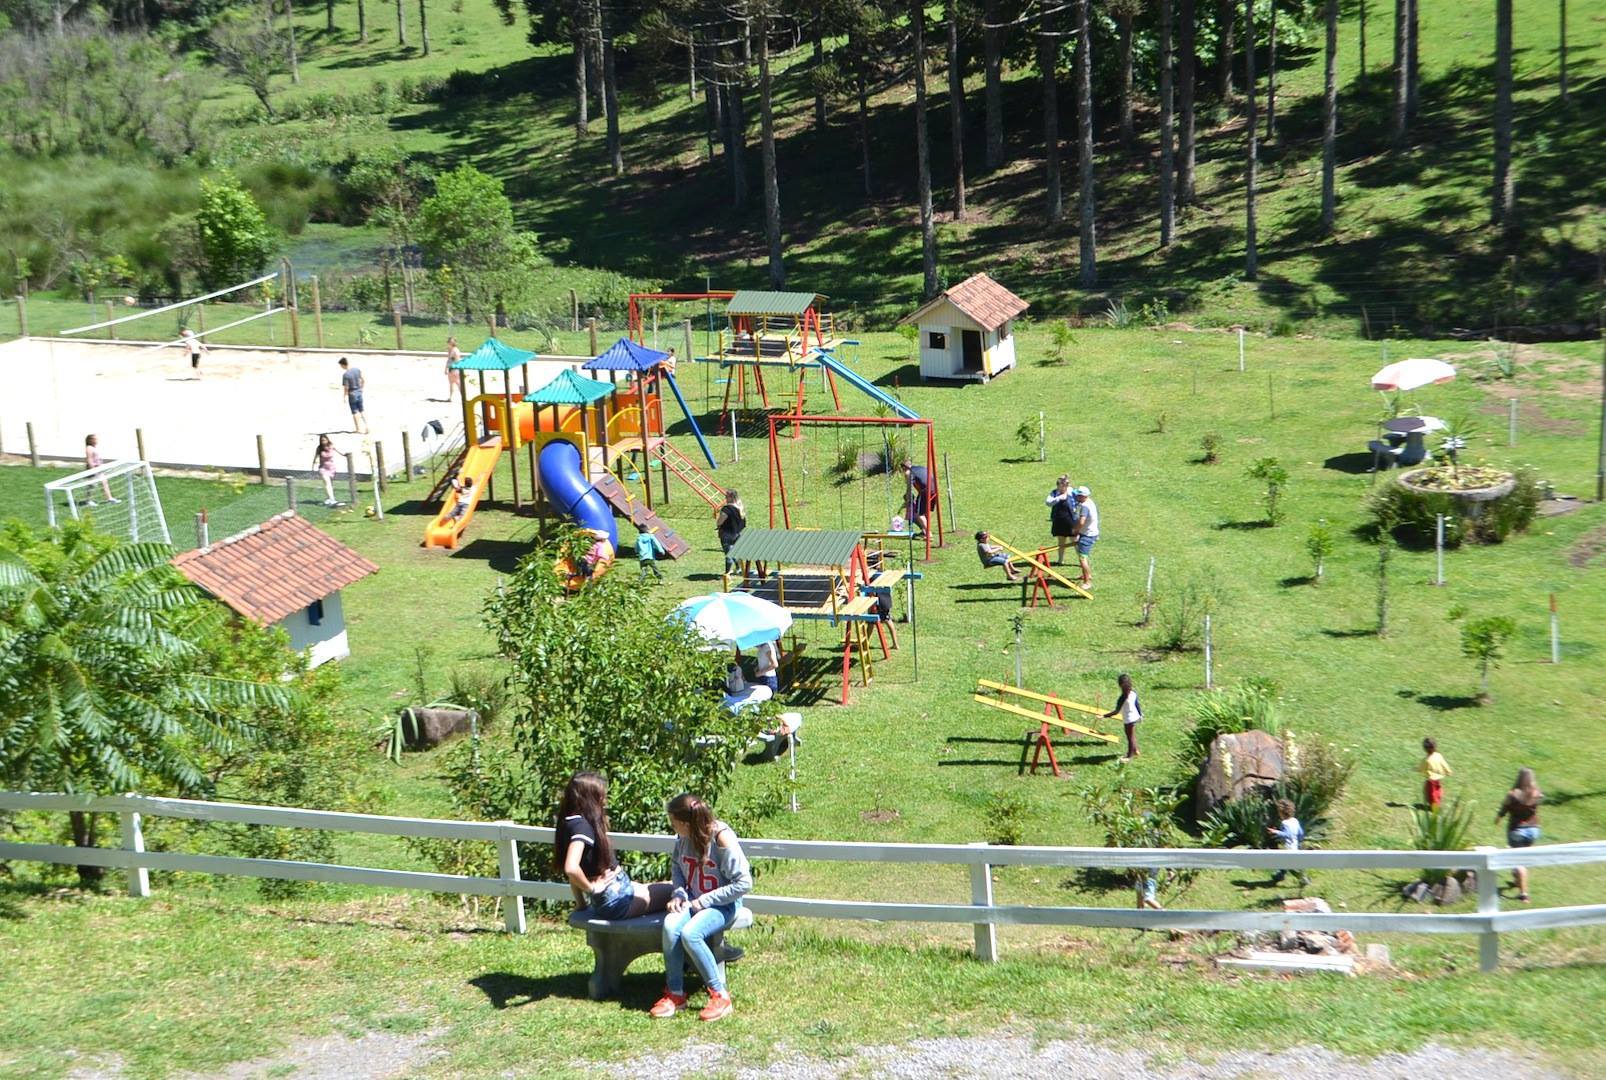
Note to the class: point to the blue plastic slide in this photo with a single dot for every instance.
(863, 385)
(566, 486)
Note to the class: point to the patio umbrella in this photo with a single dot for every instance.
(1412, 374)
(735, 618)
(1414, 425)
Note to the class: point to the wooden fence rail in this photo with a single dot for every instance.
(982, 913)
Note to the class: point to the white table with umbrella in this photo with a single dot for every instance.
(1404, 443)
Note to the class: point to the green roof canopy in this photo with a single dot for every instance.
(796, 547)
(760, 302)
(570, 388)
(494, 355)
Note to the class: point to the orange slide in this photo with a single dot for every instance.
(447, 528)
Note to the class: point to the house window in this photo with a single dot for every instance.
(936, 340)
(315, 613)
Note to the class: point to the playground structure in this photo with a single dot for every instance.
(821, 576)
(582, 436)
(121, 496)
(994, 694)
(778, 495)
(1034, 583)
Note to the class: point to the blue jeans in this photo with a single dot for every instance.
(614, 901)
(686, 934)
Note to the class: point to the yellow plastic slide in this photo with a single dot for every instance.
(447, 528)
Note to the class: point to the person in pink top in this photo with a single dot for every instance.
(92, 460)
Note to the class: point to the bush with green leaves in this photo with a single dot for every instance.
(1446, 827)
(1319, 545)
(111, 677)
(1005, 817)
(1243, 822)
(603, 680)
(1182, 609)
(1137, 817)
(236, 241)
(1483, 641)
(1410, 514)
(1210, 448)
(1060, 339)
(1274, 475)
(1249, 706)
(1315, 773)
(468, 224)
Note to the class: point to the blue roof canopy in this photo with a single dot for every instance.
(626, 355)
(570, 388)
(494, 355)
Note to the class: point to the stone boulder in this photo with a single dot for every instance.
(1236, 765)
(428, 728)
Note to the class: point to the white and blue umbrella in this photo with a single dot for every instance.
(735, 618)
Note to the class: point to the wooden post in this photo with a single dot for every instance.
(22, 314)
(262, 461)
(407, 457)
(655, 326)
(33, 447)
(574, 312)
(351, 480)
(200, 318)
(139, 878)
(641, 423)
(981, 894)
(109, 317)
(591, 329)
(289, 493)
(507, 859)
(1488, 904)
(379, 465)
(295, 328)
(395, 319)
(685, 326)
(490, 323)
(317, 311)
(139, 443)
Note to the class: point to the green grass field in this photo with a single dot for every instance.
(223, 975)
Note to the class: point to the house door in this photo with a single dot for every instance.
(970, 340)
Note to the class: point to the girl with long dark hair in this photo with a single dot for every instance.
(584, 854)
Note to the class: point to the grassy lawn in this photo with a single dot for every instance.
(241, 975)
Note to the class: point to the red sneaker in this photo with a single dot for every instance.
(718, 1007)
(668, 1006)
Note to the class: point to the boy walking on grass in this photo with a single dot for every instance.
(1434, 769)
(648, 547)
(1290, 832)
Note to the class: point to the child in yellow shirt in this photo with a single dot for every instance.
(1434, 769)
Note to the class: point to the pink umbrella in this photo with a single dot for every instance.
(1412, 374)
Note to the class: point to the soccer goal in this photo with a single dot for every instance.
(119, 497)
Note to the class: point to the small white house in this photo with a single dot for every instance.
(966, 331)
(286, 573)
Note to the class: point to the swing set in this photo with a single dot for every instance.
(887, 425)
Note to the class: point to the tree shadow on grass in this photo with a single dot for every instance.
(981, 740)
(1441, 702)
(1554, 797)
(1243, 526)
(1296, 581)
(1358, 632)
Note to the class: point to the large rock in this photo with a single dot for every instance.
(430, 727)
(1236, 765)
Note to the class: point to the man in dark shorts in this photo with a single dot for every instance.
(918, 498)
(351, 385)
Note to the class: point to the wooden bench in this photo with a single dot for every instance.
(617, 943)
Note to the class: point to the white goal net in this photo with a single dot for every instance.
(119, 497)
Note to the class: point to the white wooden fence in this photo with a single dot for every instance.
(1488, 922)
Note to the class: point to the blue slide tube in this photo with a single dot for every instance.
(566, 486)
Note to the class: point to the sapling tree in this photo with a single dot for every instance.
(1210, 447)
(1384, 551)
(1060, 339)
(1031, 432)
(1319, 546)
(1271, 472)
(1483, 641)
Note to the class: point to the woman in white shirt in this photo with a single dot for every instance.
(1126, 707)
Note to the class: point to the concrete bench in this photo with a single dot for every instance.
(617, 943)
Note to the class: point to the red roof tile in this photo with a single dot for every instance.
(981, 299)
(273, 569)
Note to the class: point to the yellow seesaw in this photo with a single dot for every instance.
(1042, 572)
(1053, 714)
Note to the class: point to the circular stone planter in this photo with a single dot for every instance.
(1470, 500)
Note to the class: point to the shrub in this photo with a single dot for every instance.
(1061, 338)
(1444, 828)
(485, 693)
(1272, 473)
(1137, 817)
(1005, 818)
(1315, 774)
(1410, 515)
(1210, 445)
(1250, 706)
(1116, 315)
(1180, 627)
(1243, 822)
(1319, 544)
(1483, 641)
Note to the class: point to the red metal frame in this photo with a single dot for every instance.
(777, 475)
(633, 320)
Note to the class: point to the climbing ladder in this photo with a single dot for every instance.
(689, 473)
(639, 513)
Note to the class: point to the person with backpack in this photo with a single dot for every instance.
(1061, 503)
(710, 876)
(729, 521)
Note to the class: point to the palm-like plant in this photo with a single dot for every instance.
(103, 672)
